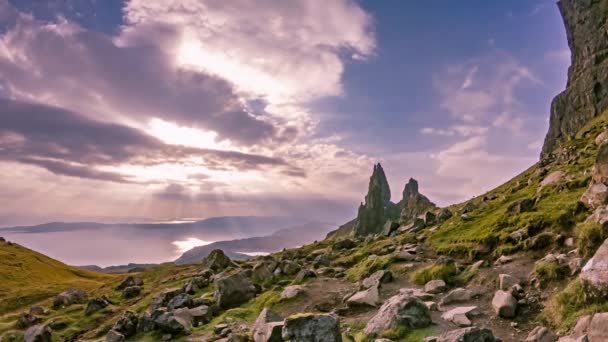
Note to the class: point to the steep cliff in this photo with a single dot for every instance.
(586, 94)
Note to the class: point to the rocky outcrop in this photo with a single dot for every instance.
(217, 261)
(594, 274)
(586, 94)
(128, 282)
(312, 328)
(597, 193)
(268, 327)
(413, 203)
(233, 290)
(400, 310)
(69, 297)
(377, 207)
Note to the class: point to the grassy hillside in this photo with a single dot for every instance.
(28, 277)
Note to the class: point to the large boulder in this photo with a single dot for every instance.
(369, 297)
(504, 304)
(127, 324)
(182, 300)
(344, 244)
(292, 291)
(435, 286)
(114, 336)
(595, 196)
(461, 315)
(594, 274)
(171, 323)
(217, 261)
(193, 285)
(541, 334)
(164, 297)
(128, 282)
(96, 304)
(400, 310)
(590, 328)
(268, 327)
(457, 295)
(233, 290)
(472, 334)
(38, 333)
(377, 279)
(69, 297)
(312, 328)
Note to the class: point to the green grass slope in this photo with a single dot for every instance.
(28, 277)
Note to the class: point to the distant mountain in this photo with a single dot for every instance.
(131, 267)
(286, 238)
(213, 228)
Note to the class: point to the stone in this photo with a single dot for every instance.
(233, 290)
(200, 315)
(518, 235)
(444, 215)
(461, 315)
(96, 304)
(552, 178)
(602, 138)
(374, 212)
(404, 256)
(504, 259)
(312, 328)
(131, 292)
(541, 334)
(576, 265)
(595, 196)
(343, 244)
(504, 304)
(377, 279)
(320, 261)
(431, 305)
(128, 282)
(127, 324)
(594, 274)
(400, 310)
(26, 320)
(292, 291)
(369, 297)
(520, 206)
(413, 203)
(506, 282)
(418, 293)
(172, 324)
(191, 286)
(303, 275)
(115, 336)
(38, 310)
(435, 286)
(389, 227)
(217, 261)
(267, 327)
(598, 328)
(472, 334)
(457, 296)
(289, 267)
(182, 300)
(164, 297)
(69, 297)
(38, 333)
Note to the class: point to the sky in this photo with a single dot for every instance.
(139, 110)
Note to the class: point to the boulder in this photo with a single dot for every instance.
(131, 292)
(369, 297)
(594, 274)
(403, 256)
(115, 336)
(602, 138)
(457, 296)
(191, 286)
(518, 235)
(504, 259)
(303, 275)
(461, 315)
(38, 333)
(233, 290)
(38, 310)
(504, 304)
(289, 267)
(260, 273)
(435, 286)
(96, 304)
(472, 334)
(164, 297)
(173, 324)
(520, 206)
(312, 328)
(444, 215)
(595, 196)
(598, 328)
(320, 261)
(541, 334)
(26, 320)
(344, 244)
(389, 227)
(292, 291)
(217, 261)
(182, 300)
(400, 310)
(200, 315)
(69, 297)
(268, 327)
(126, 324)
(506, 282)
(552, 178)
(377, 279)
(130, 281)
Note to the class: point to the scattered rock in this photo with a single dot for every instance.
(595, 272)
(172, 324)
(217, 261)
(400, 310)
(435, 286)
(369, 297)
(26, 320)
(96, 304)
(504, 259)
(504, 304)
(130, 281)
(182, 300)
(320, 261)
(38, 310)
(191, 286)
(444, 215)
(164, 297)
(472, 334)
(312, 328)
(541, 334)
(303, 275)
(520, 206)
(461, 315)
(233, 290)
(506, 282)
(268, 327)
(292, 291)
(289, 267)
(457, 296)
(377, 279)
(126, 324)
(38, 333)
(404, 256)
(344, 244)
(390, 227)
(595, 196)
(115, 336)
(552, 178)
(131, 292)
(69, 297)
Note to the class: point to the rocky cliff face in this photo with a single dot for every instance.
(586, 94)
(413, 203)
(377, 207)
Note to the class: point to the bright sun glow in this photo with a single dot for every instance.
(186, 245)
(171, 133)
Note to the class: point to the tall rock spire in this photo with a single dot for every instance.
(413, 202)
(377, 207)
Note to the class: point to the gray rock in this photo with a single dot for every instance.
(404, 256)
(400, 310)
(96, 304)
(303, 275)
(172, 324)
(541, 334)
(389, 227)
(38, 333)
(26, 320)
(519, 235)
(504, 259)
(552, 178)
(444, 215)
(164, 297)
(292, 291)
(458, 295)
(520, 206)
(595, 196)
(261, 273)
(182, 300)
(191, 286)
(320, 261)
(289, 267)
(38, 310)
(369, 297)
(377, 279)
(312, 328)
(131, 292)
(594, 274)
(127, 324)
(130, 281)
(344, 244)
(200, 315)
(217, 261)
(472, 334)
(461, 315)
(115, 336)
(506, 282)
(233, 290)
(268, 327)
(418, 293)
(69, 297)
(504, 304)
(435, 286)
